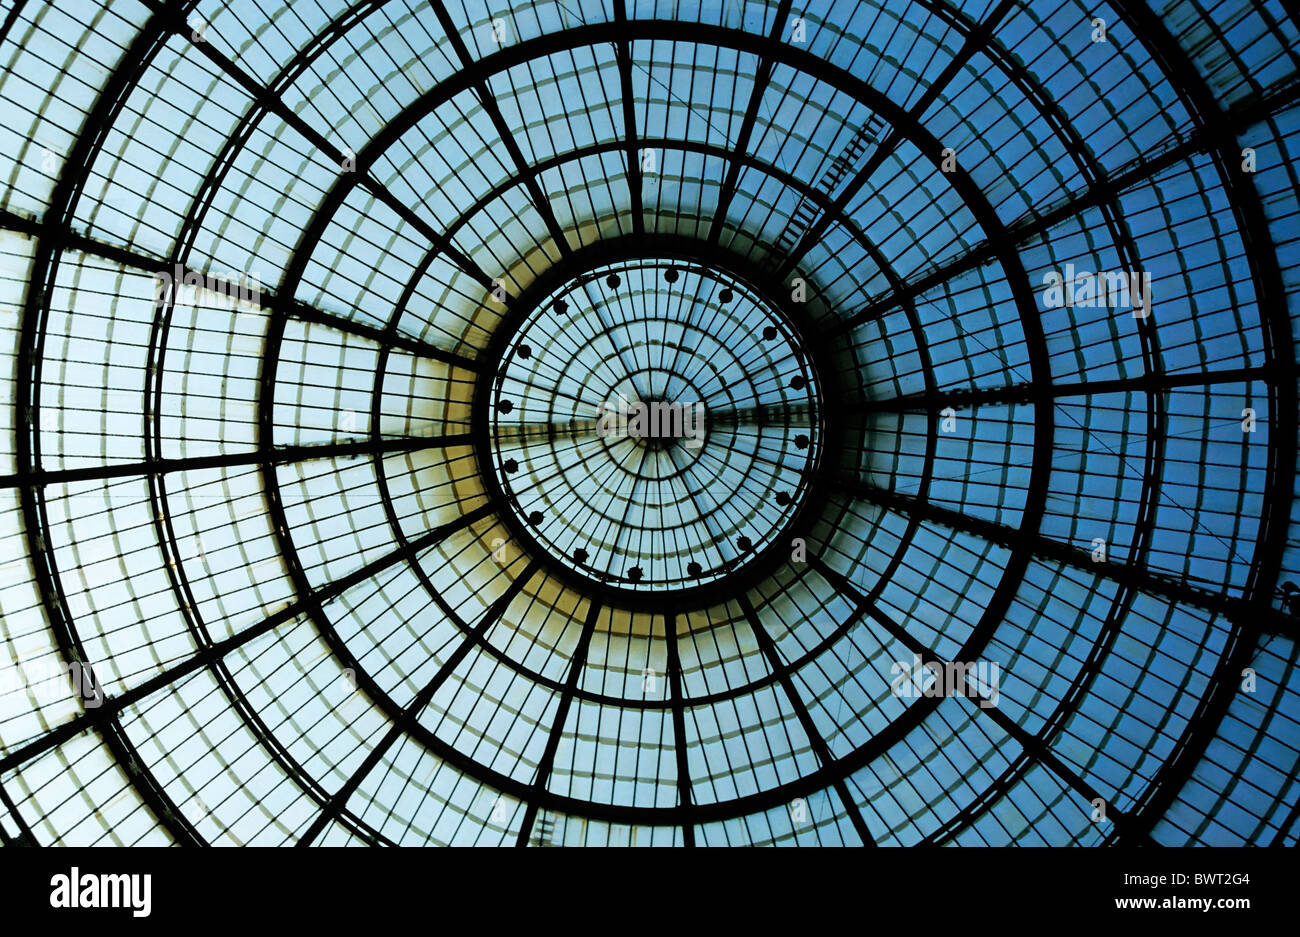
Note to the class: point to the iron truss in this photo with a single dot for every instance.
(813, 616)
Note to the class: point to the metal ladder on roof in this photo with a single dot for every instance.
(806, 211)
(544, 831)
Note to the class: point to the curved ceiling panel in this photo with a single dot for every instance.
(639, 422)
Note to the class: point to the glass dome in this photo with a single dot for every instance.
(965, 517)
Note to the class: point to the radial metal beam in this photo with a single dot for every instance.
(974, 42)
(274, 103)
(1026, 393)
(1012, 538)
(417, 706)
(24, 837)
(1254, 612)
(259, 299)
(175, 567)
(1286, 829)
(762, 75)
(10, 18)
(577, 661)
(1039, 222)
(815, 740)
(685, 797)
(1034, 746)
(43, 279)
(623, 52)
(489, 104)
(113, 705)
(390, 338)
(277, 455)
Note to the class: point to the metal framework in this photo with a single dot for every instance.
(243, 519)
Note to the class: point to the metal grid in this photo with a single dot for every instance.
(273, 526)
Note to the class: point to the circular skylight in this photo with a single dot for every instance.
(654, 426)
(602, 422)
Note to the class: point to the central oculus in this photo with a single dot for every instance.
(653, 425)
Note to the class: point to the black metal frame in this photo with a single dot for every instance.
(1251, 613)
(609, 251)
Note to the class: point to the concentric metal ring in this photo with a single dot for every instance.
(655, 424)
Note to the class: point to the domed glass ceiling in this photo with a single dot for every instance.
(314, 318)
